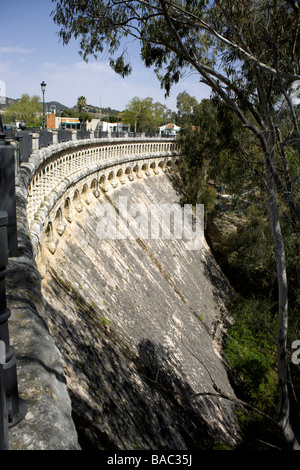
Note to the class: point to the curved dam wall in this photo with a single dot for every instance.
(115, 338)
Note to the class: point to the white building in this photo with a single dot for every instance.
(169, 129)
(55, 122)
(109, 127)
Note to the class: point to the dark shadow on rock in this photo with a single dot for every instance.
(221, 286)
(165, 376)
(131, 401)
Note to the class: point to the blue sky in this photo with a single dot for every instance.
(30, 52)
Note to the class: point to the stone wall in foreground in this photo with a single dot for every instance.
(48, 424)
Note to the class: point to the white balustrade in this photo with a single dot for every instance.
(64, 164)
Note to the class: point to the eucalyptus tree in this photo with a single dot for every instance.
(248, 53)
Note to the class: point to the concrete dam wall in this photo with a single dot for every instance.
(123, 336)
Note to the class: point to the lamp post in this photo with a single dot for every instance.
(43, 87)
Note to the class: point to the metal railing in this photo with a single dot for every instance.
(45, 138)
(32, 139)
(25, 145)
(63, 135)
(12, 408)
(83, 134)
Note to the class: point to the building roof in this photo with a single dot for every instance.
(170, 126)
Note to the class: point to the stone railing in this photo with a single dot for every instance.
(29, 140)
(59, 179)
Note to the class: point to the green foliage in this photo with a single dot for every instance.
(105, 321)
(208, 197)
(250, 257)
(120, 66)
(144, 115)
(292, 249)
(68, 113)
(251, 350)
(27, 109)
(185, 106)
(84, 117)
(214, 151)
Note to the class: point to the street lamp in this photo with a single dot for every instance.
(43, 87)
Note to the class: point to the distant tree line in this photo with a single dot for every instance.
(27, 109)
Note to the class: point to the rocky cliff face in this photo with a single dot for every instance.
(139, 326)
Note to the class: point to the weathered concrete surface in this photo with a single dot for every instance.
(139, 326)
(48, 424)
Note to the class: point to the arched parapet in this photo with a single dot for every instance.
(60, 180)
(59, 223)
(154, 167)
(48, 167)
(120, 175)
(77, 201)
(103, 183)
(49, 238)
(137, 170)
(129, 172)
(68, 211)
(112, 179)
(94, 188)
(86, 194)
(146, 168)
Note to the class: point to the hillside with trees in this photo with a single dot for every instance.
(27, 109)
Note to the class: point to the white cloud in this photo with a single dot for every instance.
(14, 50)
(97, 81)
(38, 56)
(67, 80)
(94, 80)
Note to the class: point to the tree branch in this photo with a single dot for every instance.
(230, 44)
(220, 394)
